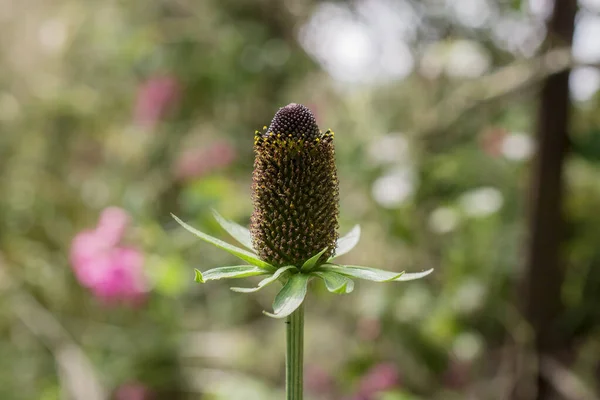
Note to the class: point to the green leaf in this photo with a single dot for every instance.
(311, 262)
(236, 251)
(335, 282)
(347, 242)
(374, 274)
(238, 232)
(233, 272)
(356, 271)
(411, 276)
(290, 297)
(168, 274)
(198, 276)
(264, 282)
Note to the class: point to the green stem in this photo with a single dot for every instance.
(294, 354)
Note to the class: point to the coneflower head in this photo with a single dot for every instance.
(294, 189)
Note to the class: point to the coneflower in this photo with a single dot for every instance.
(294, 189)
(293, 229)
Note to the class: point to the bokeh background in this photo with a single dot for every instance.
(452, 154)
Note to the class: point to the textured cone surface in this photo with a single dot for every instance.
(294, 189)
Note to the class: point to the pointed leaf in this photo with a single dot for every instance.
(411, 276)
(238, 232)
(335, 282)
(233, 272)
(198, 277)
(236, 251)
(311, 262)
(290, 297)
(347, 242)
(356, 271)
(264, 282)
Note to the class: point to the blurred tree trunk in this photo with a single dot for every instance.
(543, 277)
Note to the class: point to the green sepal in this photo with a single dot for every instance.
(336, 283)
(347, 242)
(236, 251)
(238, 232)
(290, 297)
(232, 272)
(265, 282)
(311, 262)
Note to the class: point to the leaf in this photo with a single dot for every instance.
(347, 242)
(264, 282)
(233, 272)
(168, 274)
(311, 262)
(411, 276)
(198, 276)
(356, 271)
(335, 282)
(290, 297)
(236, 251)
(238, 232)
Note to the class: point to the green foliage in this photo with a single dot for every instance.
(336, 283)
(408, 151)
(347, 242)
(296, 280)
(267, 281)
(290, 297)
(234, 272)
(236, 251)
(238, 232)
(313, 261)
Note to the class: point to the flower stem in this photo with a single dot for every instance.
(294, 354)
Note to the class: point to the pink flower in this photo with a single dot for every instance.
(133, 391)
(490, 141)
(112, 271)
(154, 99)
(379, 378)
(197, 162)
(318, 381)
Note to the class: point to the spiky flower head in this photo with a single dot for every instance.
(293, 229)
(294, 189)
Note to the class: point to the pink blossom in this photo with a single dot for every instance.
(381, 377)
(112, 271)
(318, 381)
(154, 99)
(197, 162)
(133, 391)
(490, 141)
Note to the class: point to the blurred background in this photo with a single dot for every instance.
(463, 144)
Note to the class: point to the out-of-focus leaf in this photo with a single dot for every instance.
(587, 146)
(168, 275)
